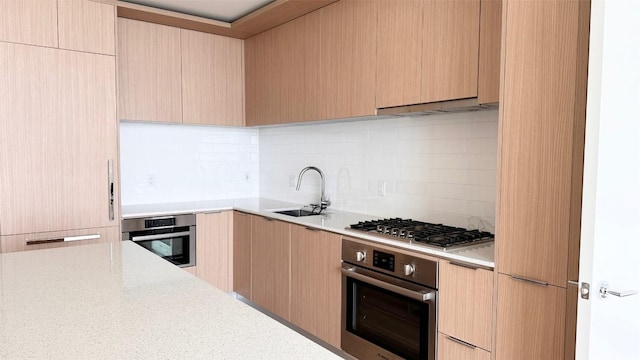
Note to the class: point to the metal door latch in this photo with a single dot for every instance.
(585, 288)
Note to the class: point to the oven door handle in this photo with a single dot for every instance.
(416, 295)
(160, 236)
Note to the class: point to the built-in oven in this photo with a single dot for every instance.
(389, 303)
(171, 237)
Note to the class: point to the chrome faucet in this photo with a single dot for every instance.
(324, 202)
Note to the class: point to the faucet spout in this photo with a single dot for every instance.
(324, 202)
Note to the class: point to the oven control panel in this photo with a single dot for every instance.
(399, 264)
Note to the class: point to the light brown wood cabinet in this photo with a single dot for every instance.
(465, 305)
(59, 108)
(87, 26)
(32, 22)
(149, 66)
(316, 293)
(451, 349)
(427, 51)
(542, 119)
(212, 79)
(242, 254)
(214, 234)
(54, 239)
(270, 247)
(489, 60)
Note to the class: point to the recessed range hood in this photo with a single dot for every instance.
(460, 105)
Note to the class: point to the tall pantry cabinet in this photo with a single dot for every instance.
(58, 149)
(542, 116)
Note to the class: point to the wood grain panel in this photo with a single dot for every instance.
(13, 243)
(242, 254)
(348, 46)
(316, 280)
(530, 321)
(212, 79)
(489, 60)
(537, 139)
(59, 107)
(450, 50)
(33, 22)
(149, 66)
(270, 254)
(399, 52)
(87, 26)
(466, 304)
(213, 242)
(448, 349)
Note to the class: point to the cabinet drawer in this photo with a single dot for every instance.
(465, 304)
(55, 239)
(450, 348)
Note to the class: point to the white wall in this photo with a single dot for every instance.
(188, 162)
(439, 168)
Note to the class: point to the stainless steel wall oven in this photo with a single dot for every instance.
(170, 237)
(389, 303)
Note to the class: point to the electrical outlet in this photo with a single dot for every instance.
(151, 180)
(292, 180)
(382, 188)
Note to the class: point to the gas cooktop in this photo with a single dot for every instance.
(421, 233)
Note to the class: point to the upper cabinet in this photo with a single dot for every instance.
(212, 81)
(171, 75)
(318, 66)
(87, 26)
(489, 61)
(32, 22)
(80, 25)
(149, 82)
(427, 51)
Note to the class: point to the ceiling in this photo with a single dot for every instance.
(222, 10)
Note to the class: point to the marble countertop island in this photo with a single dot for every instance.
(119, 301)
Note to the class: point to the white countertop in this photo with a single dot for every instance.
(119, 301)
(332, 220)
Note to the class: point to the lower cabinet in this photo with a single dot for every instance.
(213, 249)
(450, 348)
(242, 254)
(316, 282)
(270, 246)
(526, 309)
(465, 306)
(55, 239)
(193, 270)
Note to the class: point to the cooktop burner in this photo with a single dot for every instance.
(422, 233)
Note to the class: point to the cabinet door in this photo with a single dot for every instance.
(56, 239)
(348, 46)
(450, 348)
(242, 254)
(542, 112)
(33, 22)
(265, 97)
(87, 26)
(213, 236)
(270, 247)
(59, 132)
(212, 79)
(399, 52)
(149, 80)
(465, 303)
(531, 320)
(450, 50)
(316, 283)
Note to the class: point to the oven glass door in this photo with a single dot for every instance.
(174, 246)
(389, 320)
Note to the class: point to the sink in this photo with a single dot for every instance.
(296, 213)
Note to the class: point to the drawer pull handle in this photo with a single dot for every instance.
(463, 265)
(311, 229)
(463, 343)
(64, 239)
(530, 281)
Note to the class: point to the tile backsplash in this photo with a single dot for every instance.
(436, 168)
(173, 163)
